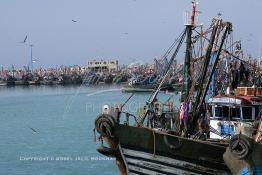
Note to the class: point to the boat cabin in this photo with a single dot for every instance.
(230, 113)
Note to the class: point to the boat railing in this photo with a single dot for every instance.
(249, 91)
(128, 115)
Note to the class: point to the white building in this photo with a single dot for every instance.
(103, 65)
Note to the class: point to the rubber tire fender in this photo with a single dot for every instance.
(173, 147)
(240, 146)
(105, 124)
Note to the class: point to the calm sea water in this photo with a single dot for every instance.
(49, 130)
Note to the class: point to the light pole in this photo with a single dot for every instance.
(31, 56)
(32, 68)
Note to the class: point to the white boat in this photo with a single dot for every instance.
(234, 114)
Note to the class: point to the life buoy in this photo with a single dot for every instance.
(240, 146)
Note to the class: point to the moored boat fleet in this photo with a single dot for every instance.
(134, 77)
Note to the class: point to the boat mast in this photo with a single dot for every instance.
(228, 28)
(207, 73)
(188, 55)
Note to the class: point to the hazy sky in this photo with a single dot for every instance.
(121, 29)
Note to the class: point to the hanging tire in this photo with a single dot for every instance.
(176, 146)
(241, 146)
(105, 124)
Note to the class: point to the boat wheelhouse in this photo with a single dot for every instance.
(232, 114)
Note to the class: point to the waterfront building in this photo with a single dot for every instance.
(103, 65)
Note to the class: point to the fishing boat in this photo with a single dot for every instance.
(20, 82)
(34, 82)
(10, 80)
(238, 117)
(200, 137)
(92, 79)
(3, 83)
(232, 112)
(47, 80)
(145, 84)
(33, 79)
(108, 78)
(120, 78)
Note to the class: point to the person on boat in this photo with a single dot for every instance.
(152, 118)
(202, 123)
(118, 110)
(105, 109)
(170, 105)
(158, 116)
(183, 116)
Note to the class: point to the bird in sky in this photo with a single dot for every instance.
(24, 39)
(33, 130)
(74, 20)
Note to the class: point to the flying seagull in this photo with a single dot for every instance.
(24, 39)
(74, 20)
(33, 130)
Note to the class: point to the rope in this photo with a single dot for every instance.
(249, 64)
(94, 131)
(71, 101)
(259, 132)
(154, 153)
(172, 45)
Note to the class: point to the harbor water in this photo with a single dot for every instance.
(49, 130)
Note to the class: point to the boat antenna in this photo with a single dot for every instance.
(193, 16)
